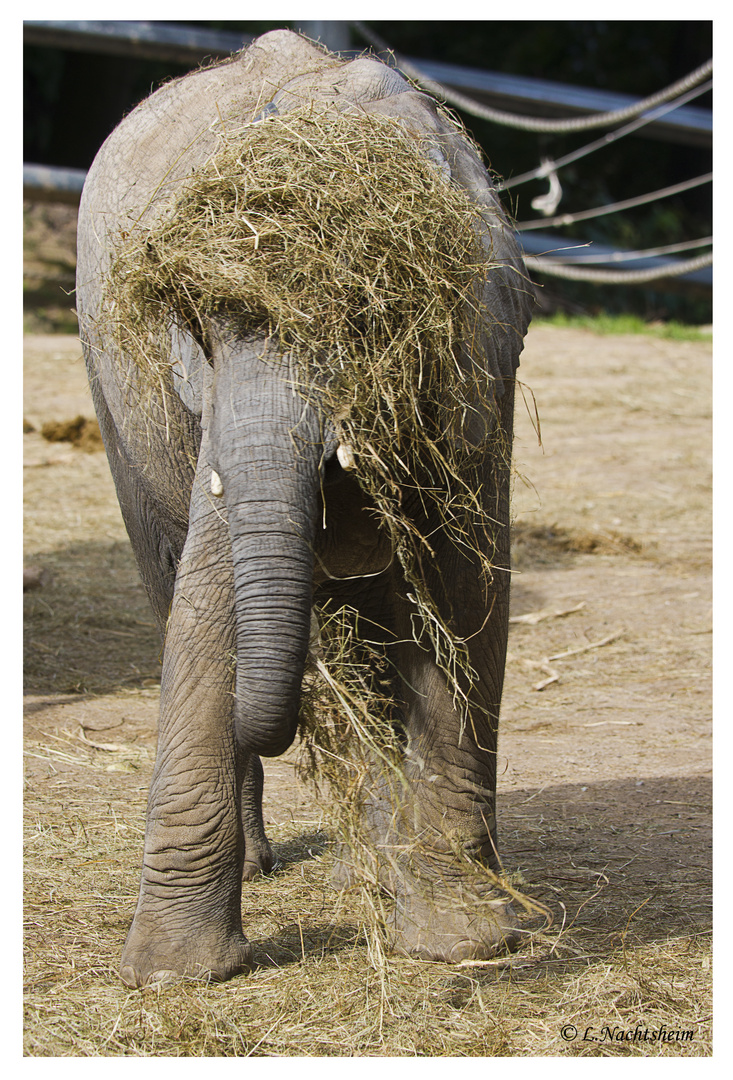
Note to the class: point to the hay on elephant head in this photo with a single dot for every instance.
(337, 237)
(331, 232)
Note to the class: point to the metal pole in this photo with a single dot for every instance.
(336, 36)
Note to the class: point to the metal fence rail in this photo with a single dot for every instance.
(49, 183)
(146, 40)
(185, 45)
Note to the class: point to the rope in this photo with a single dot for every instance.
(611, 208)
(624, 256)
(530, 123)
(685, 89)
(555, 268)
(552, 166)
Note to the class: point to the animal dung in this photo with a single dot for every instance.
(80, 432)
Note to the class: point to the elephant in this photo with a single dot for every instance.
(238, 528)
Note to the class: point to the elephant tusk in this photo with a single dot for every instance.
(217, 488)
(346, 457)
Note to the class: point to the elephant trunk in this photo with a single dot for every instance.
(267, 446)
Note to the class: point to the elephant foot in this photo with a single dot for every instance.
(469, 928)
(260, 861)
(449, 923)
(163, 954)
(252, 868)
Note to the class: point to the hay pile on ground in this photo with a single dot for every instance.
(80, 432)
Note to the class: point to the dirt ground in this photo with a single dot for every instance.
(605, 749)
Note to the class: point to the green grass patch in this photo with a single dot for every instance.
(626, 324)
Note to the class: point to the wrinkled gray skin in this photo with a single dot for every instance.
(239, 572)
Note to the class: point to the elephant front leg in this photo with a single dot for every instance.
(188, 917)
(425, 830)
(448, 905)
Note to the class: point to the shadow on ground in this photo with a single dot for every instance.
(90, 629)
(619, 862)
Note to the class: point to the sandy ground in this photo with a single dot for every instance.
(605, 739)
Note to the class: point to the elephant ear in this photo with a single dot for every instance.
(502, 302)
(187, 367)
(506, 295)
